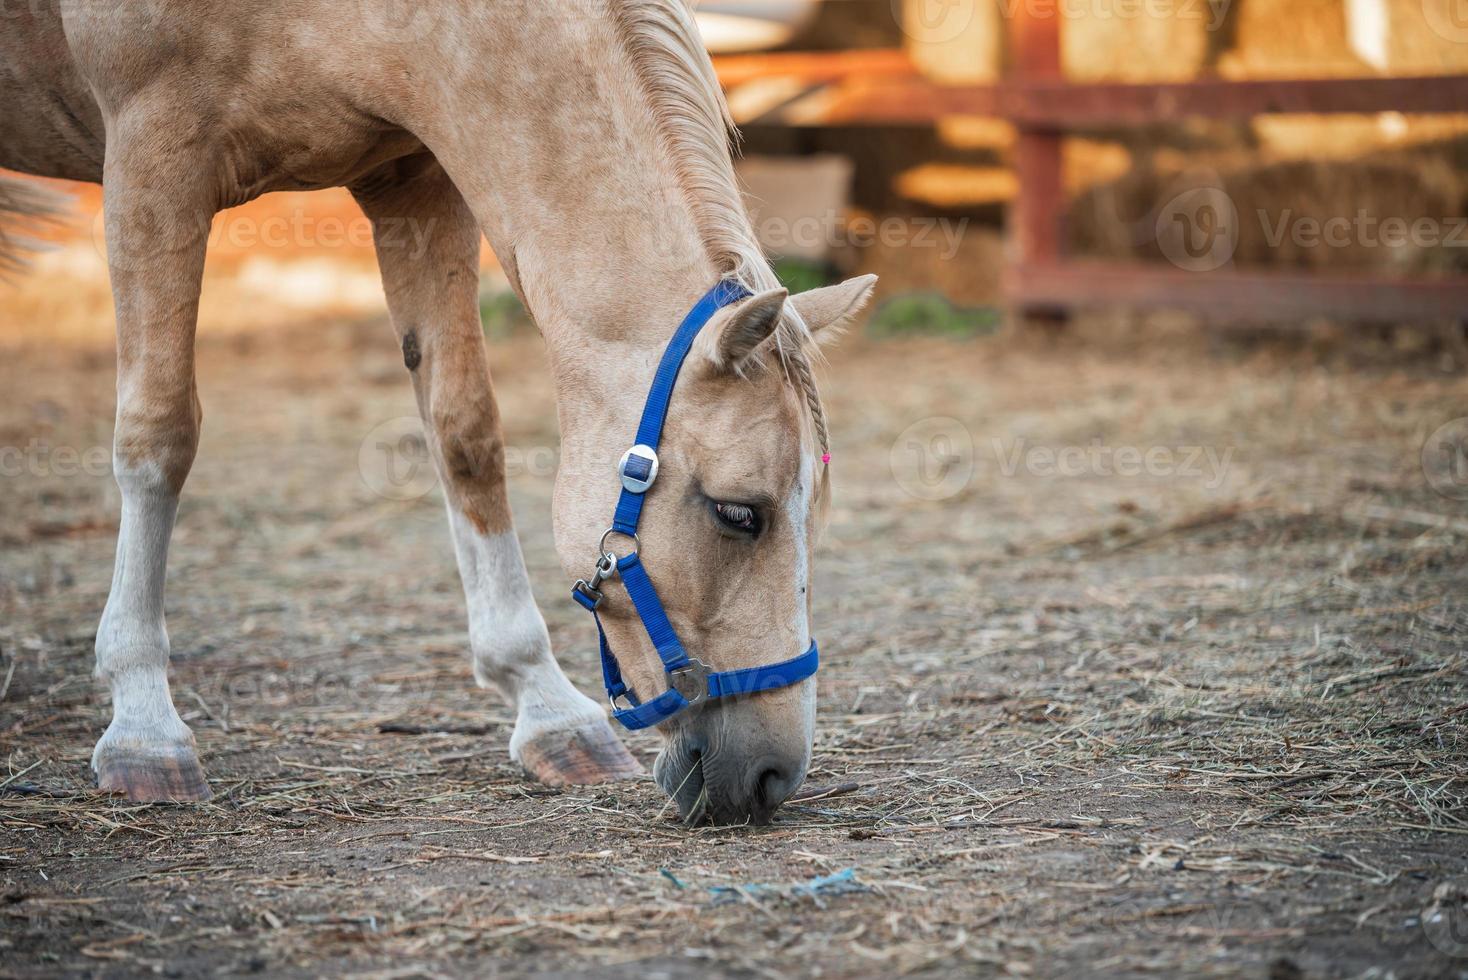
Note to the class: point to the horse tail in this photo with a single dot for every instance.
(27, 208)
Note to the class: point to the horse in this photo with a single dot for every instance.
(589, 143)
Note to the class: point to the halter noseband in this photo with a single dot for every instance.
(690, 681)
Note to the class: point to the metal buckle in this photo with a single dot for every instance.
(638, 467)
(591, 592)
(695, 676)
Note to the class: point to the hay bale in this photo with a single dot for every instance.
(1346, 38)
(1157, 41)
(1295, 214)
(969, 277)
(964, 41)
(1291, 38)
(1335, 38)
(796, 203)
(1408, 37)
(955, 43)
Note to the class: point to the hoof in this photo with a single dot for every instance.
(164, 776)
(580, 756)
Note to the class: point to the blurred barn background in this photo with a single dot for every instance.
(1141, 607)
(869, 124)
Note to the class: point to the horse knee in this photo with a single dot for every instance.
(472, 455)
(155, 442)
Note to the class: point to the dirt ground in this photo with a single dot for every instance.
(1194, 709)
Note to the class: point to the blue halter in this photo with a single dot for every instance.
(689, 680)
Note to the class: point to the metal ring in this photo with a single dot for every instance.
(602, 546)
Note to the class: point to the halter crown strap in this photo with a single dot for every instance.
(655, 411)
(689, 681)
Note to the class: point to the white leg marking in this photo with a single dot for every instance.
(507, 635)
(132, 640)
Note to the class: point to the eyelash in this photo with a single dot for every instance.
(739, 518)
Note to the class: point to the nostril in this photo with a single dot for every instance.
(772, 788)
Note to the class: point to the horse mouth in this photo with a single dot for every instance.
(684, 784)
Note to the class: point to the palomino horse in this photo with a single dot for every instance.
(589, 143)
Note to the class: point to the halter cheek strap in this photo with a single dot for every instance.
(690, 681)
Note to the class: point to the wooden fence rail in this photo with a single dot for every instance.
(882, 88)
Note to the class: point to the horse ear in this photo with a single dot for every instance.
(832, 307)
(737, 330)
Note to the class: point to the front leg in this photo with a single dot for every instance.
(157, 208)
(428, 250)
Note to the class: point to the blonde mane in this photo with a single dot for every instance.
(668, 55)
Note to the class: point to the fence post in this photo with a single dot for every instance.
(1035, 228)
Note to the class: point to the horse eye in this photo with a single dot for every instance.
(740, 518)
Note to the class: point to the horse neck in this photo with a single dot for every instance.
(552, 138)
(545, 126)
